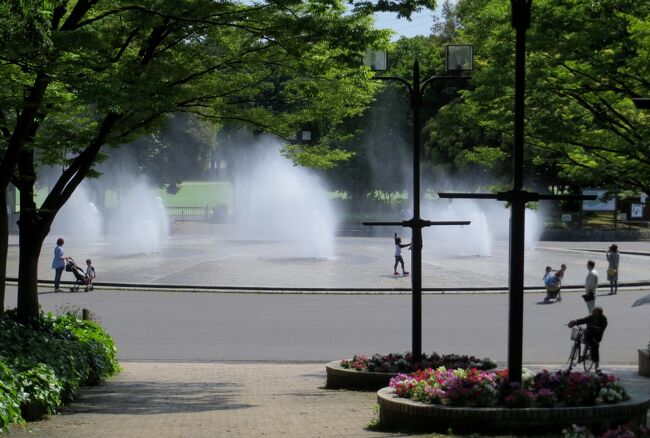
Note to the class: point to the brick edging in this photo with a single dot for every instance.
(344, 378)
(400, 413)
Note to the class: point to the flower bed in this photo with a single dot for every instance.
(475, 401)
(400, 363)
(374, 372)
(472, 387)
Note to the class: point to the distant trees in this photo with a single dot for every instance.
(585, 61)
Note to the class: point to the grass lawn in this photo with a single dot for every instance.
(191, 194)
(199, 194)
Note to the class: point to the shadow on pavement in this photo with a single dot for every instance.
(150, 398)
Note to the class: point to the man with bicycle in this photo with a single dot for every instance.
(596, 325)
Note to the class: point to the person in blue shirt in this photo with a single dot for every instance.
(58, 263)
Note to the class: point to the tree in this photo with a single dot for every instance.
(585, 60)
(116, 70)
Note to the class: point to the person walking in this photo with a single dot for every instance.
(398, 254)
(612, 270)
(58, 264)
(591, 284)
(596, 325)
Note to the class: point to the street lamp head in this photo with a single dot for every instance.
(459, 58)
(375, 60)
(641, 102)
(303, 136)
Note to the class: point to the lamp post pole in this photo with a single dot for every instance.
(416, 237)
(416, 223)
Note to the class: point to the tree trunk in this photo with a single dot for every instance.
(31, 238)
(4, 246)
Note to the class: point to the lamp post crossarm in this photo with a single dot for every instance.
(435, 78)
(398, 79)
(415, 223)
(508, 196)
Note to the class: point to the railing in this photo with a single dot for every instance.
(196, 214)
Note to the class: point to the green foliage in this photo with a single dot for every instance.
(43, 363)
(199, 194)
(40, 391)
(585, 59)
(9, 401)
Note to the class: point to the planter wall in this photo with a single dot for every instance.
(644, 363)
(344, 378)
(403, 414)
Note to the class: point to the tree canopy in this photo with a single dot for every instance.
(585, 60)
(78, 75)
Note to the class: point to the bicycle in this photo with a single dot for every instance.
(580, 351)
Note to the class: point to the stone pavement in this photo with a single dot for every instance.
(227, 400)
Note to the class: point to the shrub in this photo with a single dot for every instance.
(46, 361)
(40, 391)
(9, 404)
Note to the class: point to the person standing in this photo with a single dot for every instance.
(591, 284)
(398, 254)
(58, 263)
(596, 325)
(612, 270)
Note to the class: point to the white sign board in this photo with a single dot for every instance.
(636, 211)
(598, 204)
(622, 216)
(566, 218)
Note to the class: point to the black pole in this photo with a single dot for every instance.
(416, 238)
(521, 22)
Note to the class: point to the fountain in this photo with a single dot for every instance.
(278, 201)
(138, 223)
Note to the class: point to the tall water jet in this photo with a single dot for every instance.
(474, 239)
(489, 223)
(139, 222)
(276, 200)
(79, 220)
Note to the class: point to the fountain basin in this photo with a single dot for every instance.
(404, 414)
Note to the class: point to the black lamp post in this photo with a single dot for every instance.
(461, 60)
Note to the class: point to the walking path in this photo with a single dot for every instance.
(228, 400)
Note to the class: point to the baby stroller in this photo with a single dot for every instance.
(553, 284)
(81, 279)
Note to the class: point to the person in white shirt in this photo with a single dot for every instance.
(398, 254)
(90, 275)
(591, 284)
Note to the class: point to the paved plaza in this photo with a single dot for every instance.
(213, 400)
(209, 255)
(213, 364)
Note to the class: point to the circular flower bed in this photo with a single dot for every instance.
(397, 362)
(374, 372)
(475, 401)
(478, 388)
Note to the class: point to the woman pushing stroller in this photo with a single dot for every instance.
(553, 283)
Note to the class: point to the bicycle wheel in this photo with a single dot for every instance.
(574, 356)
(587, 361)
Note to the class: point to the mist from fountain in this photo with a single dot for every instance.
(489, 223)
(276, 200)
(138, 223)
(79, 220)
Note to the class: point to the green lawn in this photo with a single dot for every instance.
(191, 194)
(199, 194)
